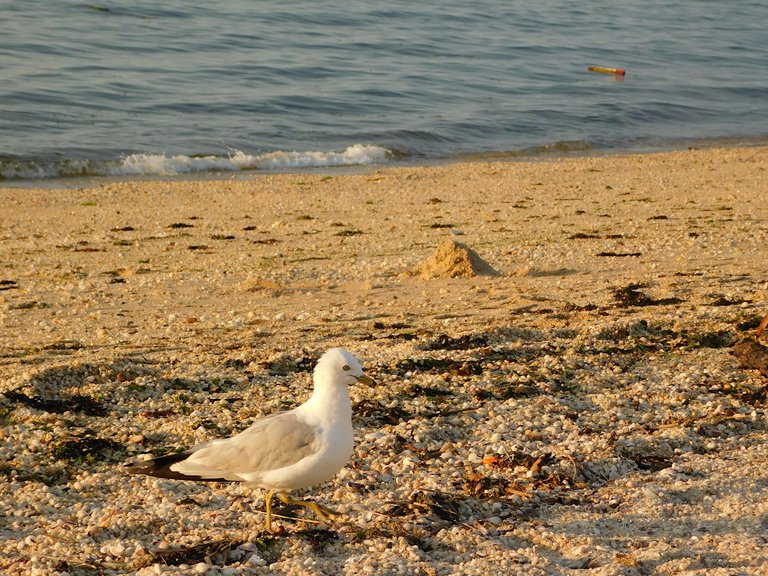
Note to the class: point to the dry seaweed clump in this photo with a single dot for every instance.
(453, 259)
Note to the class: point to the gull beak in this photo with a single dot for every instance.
(366, 380)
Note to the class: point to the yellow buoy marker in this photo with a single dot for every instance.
(617, 71)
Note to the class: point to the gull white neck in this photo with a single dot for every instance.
(332, 401)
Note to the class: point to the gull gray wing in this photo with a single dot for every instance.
(271, 443)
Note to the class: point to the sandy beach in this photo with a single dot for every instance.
(565, 401)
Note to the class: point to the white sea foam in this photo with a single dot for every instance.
(163, 165)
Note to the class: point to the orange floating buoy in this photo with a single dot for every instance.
(617, 71)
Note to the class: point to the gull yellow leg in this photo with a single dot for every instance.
(269, 510)
(322, 512)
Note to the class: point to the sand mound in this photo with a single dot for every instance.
(453, 260)
(258, 285)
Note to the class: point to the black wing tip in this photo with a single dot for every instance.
(160, 467)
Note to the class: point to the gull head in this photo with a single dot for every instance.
(338, 366)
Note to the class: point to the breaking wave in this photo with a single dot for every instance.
(163, 165)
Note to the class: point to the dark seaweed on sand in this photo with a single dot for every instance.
(88, 449)
(631, 295)
(74, 403)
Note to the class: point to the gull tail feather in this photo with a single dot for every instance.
(160, 467)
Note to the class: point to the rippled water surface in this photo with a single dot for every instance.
(144, 87)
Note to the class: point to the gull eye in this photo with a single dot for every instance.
(346, 368)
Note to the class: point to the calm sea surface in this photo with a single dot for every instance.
(147, 87)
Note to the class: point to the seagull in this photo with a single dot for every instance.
(282, 452)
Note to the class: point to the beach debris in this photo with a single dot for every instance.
(88, 449)
(74, 403)
(379, 414)
(708, 339)
(722, 300)
(439, 366)
(465, 342)
(28, 305)
(604, 70)
(516, 458)
(519, 474)
(479, 485)
(441, 504)
(610, 254)
(763, 325)
(533, 272)
(430, 392)
(630, 295)
(453, 259)
(82, 246)
(216, 552)
(752, 354)
(286, 364)
(347, 233)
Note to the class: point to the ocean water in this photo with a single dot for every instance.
(144, 87)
